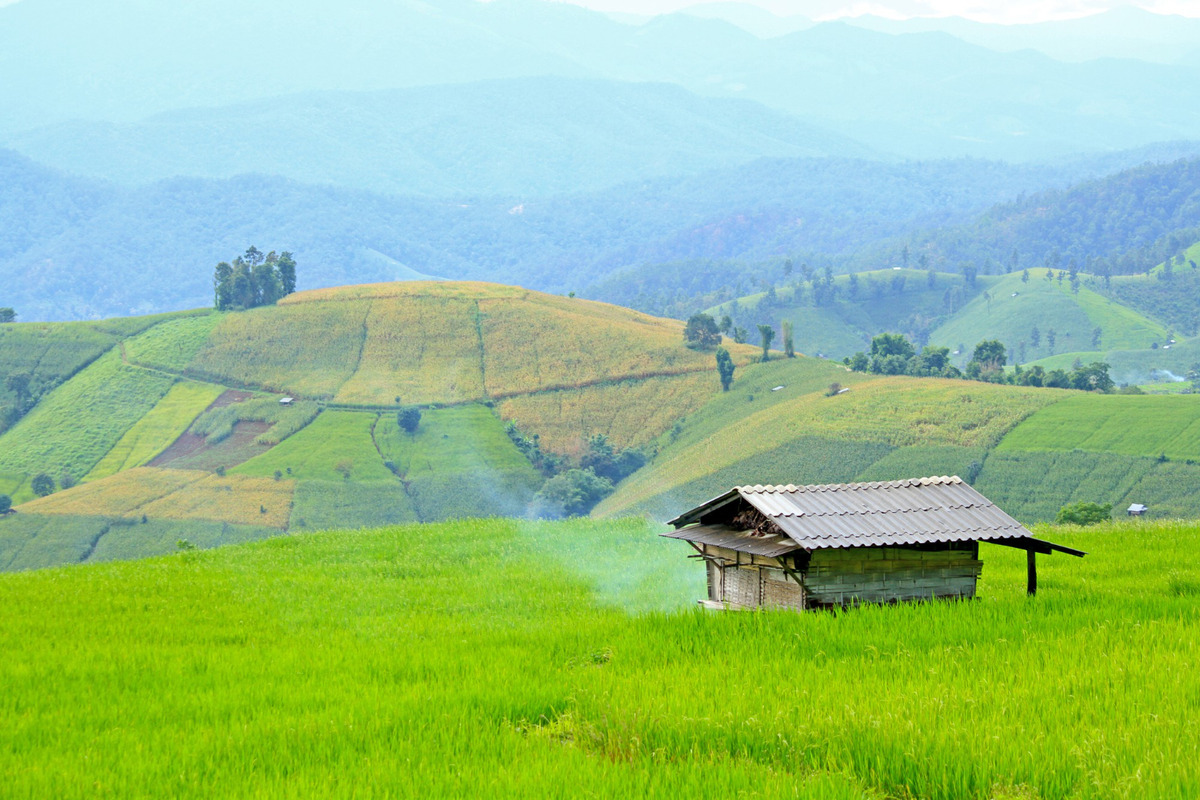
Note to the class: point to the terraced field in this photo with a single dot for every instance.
(459, 463)
(36, 541)
(137, 424)
(1128, 425)
(162, 425)
(305, 349)
(175, 494)
(79, 423)
(417, 353)
(337, 445)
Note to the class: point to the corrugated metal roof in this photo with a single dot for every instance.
(745, 541)
(907, 512)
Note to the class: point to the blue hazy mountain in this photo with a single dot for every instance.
(532, 136)
(918, 94)
(78, 248)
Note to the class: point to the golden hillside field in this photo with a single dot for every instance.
(175, 494)
(421, 349)
(308, 349)
(630, 414)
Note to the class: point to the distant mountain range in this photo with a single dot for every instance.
(925, 94)
(535, 136)
(73, 248)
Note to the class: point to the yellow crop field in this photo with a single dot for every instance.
(630, 413)
(462, 290)
(154, 432)
(420, 348)
(896, 411)
(238, 499)
(120, 495)
(175, 494)
(541, 342)
(423, 338)
(305, 349)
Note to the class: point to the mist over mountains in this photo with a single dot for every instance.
(922, 94)
(532, 136)
(545, 144)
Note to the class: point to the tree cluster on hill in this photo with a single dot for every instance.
(253, 279)
(894, 354)
(573, 489)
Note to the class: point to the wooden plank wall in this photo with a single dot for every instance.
(746, 581)
(884, 574)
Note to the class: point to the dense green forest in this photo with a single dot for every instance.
(68, 245)
(1123, 224)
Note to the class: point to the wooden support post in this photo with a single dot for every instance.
(1031, 557)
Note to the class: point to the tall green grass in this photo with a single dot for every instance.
(502, 659)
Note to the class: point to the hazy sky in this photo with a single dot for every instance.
(1004, 11)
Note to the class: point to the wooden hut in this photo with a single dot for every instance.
(1137, 509)
(839, 544)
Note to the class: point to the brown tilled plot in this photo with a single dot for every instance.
(191, 451)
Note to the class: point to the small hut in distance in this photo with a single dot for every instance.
(804, 547)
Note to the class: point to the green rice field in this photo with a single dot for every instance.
(507, 659)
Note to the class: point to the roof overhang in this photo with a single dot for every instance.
(878, 514)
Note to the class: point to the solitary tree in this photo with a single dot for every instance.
(789, 348)
(768, 335)
(1051, 338)
(725, 368)
(42, 484)
(1096, 334)
(701, 332)
(287, 272)
(7, 314)
(1035, 337)
(409, 419)
(5, 503)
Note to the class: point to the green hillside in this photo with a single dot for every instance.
(523, 659)
(868, 303)
(1011, 308)
(176, 422)
(176, 431)
(1030, 450)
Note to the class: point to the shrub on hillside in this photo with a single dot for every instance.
(1083, 514)
(5, 503)
(42, 485)
(572, 494)
(701, 332)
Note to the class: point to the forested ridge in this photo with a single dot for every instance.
(68, 245)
